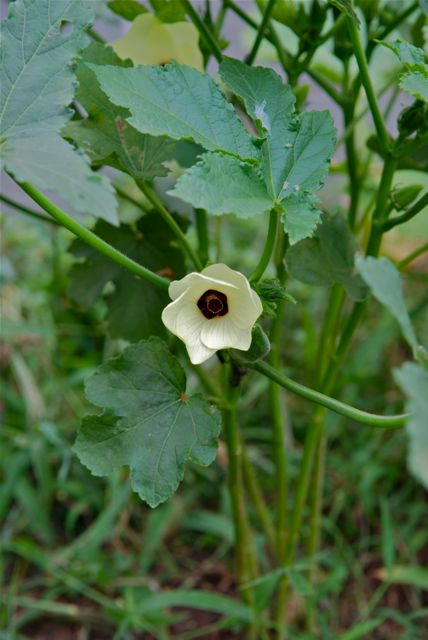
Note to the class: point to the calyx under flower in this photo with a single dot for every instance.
(212, 310)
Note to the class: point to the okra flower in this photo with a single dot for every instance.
(212, 310)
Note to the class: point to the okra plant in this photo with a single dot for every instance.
(200, 146)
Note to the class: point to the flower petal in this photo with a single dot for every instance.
(223, 333)
(198, 283)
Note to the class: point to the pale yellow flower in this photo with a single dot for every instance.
(150, 41)
(212, 310)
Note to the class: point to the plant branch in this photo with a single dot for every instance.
(91, 238)
(268, 248)
(366, 81)
(412, 256)
(29, 212)
(260, 32)
(371, 419)
(407, 215)
(206, 34)
(151, 195)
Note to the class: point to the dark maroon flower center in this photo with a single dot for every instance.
(213, 303)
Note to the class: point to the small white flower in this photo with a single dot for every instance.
(212, 310)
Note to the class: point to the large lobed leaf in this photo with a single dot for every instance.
(150, 423)
(135, 306)
(384, 280)
(270, 103)
(223, 184)
(414, 80)
(327, 258)
(413, 380)
(179, 102)
(104, 134)
(37, 85)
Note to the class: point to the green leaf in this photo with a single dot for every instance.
(306, 161)
(168, 10)
(327, 258)
(415, 82)
(105, 135)
(384, 280)
(301, 216)
(296, 149)
(128, 9)
(407, 53)
(361, 629)
(150, 423)
(46, 160)
(37, 87)
(178, 102)
(135, 306)
(413, 380)
(196, 599)
(271, 104)
(223, 184)
(414, 576)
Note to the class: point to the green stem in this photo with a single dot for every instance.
(126, 196)
(366, 80)
(159, 206)
(381, 211)
(351, 159)
(325, 84)
(202, 233)
(260, 32)
(206, 34)
(412, 256)
(268, 248)
(29, 212)
(407, 215)
(363, 417)
(245, 560)
(257, 499)
(334, 306)
(91, 238)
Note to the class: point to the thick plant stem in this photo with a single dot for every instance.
(367, 83)
(91, 238)
(363, 417)
(260, 32)
(206, 34)
(202, 232)
(407, 215)
(159, 206)
(351, 159)
(29, 212)
(281, 468)
(262, 511)
(245, 559)
(268, 248)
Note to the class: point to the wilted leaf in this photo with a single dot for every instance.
(150, 423)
